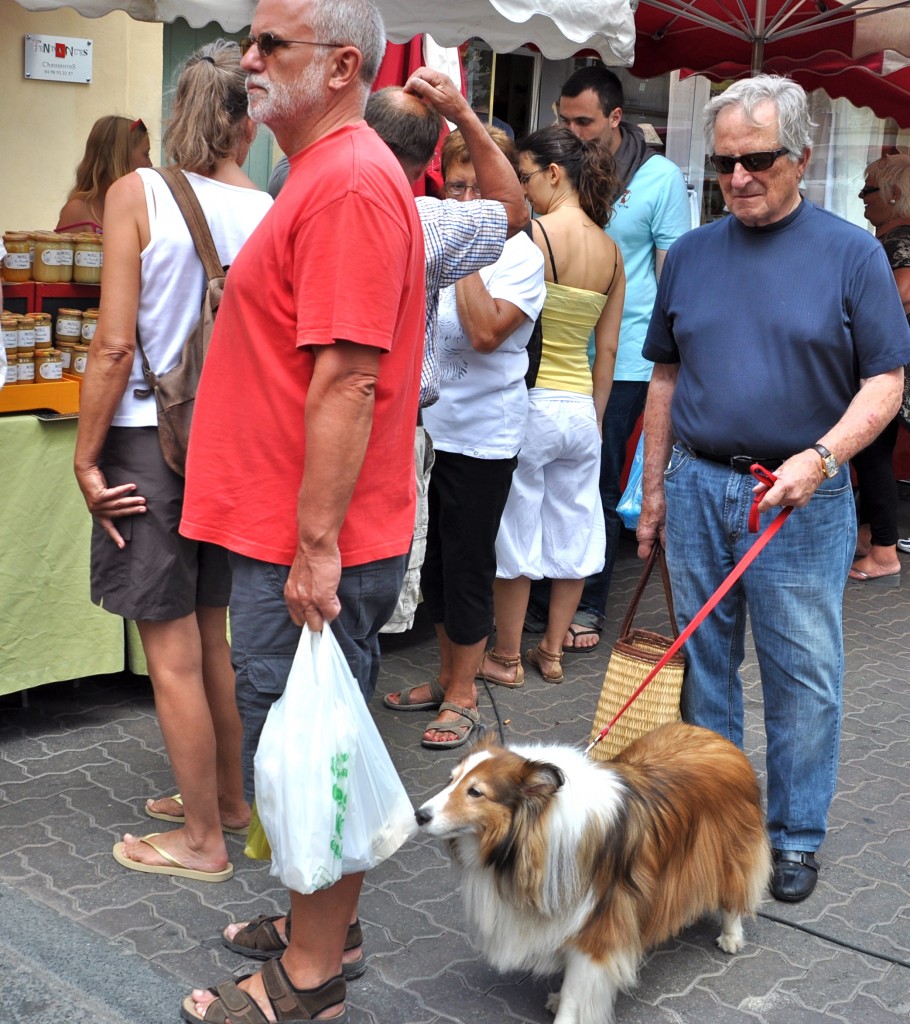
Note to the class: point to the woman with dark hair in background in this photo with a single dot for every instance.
(141, 568)
(886, 196)
(553, 526)
(115, 146)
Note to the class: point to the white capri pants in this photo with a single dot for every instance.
(553, 523)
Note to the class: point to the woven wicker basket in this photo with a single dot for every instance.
(634, 656)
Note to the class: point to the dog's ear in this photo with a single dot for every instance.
(541, 779)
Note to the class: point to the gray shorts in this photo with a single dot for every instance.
(159, 575)
(264, 639)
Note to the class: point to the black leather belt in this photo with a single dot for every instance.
(738, 463)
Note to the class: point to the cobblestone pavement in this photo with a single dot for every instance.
(86, 942)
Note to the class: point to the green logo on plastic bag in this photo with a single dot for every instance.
(340, 772)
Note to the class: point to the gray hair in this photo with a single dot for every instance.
(353, 23)
(794, 126)
(890, 172)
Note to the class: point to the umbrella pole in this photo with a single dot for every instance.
(492, 87)
(758, 44)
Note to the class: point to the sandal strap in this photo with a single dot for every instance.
(472, 715)
(355, 936)
(262, 935)
(501, 659)
(161, 853)
(290, 1003)
(549, 655)
(233, 1004)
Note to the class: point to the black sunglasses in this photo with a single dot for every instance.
(867, 190)
(751, 161)
(268, 43)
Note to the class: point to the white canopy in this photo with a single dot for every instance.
(558, 28)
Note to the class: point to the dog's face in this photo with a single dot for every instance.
(488, 789)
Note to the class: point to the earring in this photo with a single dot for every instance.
(892, 201)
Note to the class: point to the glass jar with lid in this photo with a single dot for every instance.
(65, 258)
(80, 358)
(89, 323)
(88, 257)
(9, 324)
(69, 325)
(44, 331)
(17, 265)
(25, 368)
(48, 365)
(48, 252)
(25, 343)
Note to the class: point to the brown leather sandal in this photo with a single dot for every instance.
(260, 940)
(289, 1005)
(500, 659)
(534, 656)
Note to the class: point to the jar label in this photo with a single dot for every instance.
(26, 338)
(88, 329)
(42, 334)
(68, 328)
(17, 261)
(66, 357)
(64, 257)
(26, 371)
(51, 371)
(49, 257)
(79, 362)
(88, 259)
(12, 373)
(10, 338)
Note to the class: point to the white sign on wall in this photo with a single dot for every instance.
(58, 58)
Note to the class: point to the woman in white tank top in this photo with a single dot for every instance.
(176, 590)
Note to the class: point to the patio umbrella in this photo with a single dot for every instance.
(857, 49)
(558, 28)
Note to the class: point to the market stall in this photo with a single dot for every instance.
(49, 629)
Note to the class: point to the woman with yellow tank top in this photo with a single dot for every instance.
(553, 526)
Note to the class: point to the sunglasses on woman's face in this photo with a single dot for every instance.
(751, 162)
(867, 190)
(268, 43)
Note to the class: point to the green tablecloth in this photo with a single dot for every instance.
(49, 629)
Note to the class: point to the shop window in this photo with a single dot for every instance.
(513, 79)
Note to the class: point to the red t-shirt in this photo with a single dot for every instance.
(339, 256)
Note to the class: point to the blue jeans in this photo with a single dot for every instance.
(793, 593)
(627, 399)
(264, 638)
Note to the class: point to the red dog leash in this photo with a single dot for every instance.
(768, 479)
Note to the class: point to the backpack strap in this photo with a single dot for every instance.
(198, 227)
(199, 230)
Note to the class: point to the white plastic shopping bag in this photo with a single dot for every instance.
(328, 796)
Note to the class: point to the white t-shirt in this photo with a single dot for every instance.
(172, 278)
(483, 400)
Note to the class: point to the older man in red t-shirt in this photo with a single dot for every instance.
(301, 458)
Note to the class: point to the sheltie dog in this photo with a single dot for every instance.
(581, 867)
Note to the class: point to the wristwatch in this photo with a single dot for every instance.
(829, 462)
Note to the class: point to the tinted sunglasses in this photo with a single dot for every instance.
(268, 43)
(867, 190)
(751, 161)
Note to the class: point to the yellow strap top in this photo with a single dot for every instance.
(569, 315)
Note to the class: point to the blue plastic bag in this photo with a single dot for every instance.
(629, 507)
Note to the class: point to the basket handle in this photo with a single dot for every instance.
(656, 555)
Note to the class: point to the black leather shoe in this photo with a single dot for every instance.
(795, 874)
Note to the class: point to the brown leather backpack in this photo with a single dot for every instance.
(175, 391)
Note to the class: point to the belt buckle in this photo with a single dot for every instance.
(741, 463)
